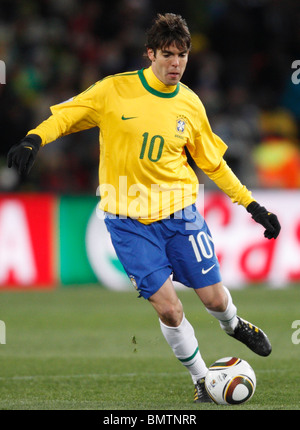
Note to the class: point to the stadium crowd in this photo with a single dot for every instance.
(240, 66)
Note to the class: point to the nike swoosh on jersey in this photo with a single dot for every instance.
(204, 271)
(124, 118)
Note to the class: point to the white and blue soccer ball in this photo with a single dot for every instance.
(230, 381)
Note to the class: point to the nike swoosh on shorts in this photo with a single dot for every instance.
(204, 271)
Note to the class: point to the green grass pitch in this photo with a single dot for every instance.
(88, 348)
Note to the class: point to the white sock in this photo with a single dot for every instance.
(227, 319)
(184, 344)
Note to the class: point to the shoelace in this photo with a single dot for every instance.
(200, 391)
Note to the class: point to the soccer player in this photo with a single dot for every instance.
(148, 190)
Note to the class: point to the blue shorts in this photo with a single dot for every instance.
(181, 244)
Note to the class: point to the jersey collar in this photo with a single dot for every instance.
(152, 84)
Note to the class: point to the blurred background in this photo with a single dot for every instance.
(242, 66)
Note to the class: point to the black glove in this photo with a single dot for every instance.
(266, 219)
(23, 154)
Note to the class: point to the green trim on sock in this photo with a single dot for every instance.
(184, 360)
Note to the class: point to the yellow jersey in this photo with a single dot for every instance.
(144, 127)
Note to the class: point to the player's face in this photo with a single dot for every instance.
(168, 64)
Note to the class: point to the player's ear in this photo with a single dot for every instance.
(151, 54)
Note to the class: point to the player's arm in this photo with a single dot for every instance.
(207, 150)
(227, 181)
(79, 113)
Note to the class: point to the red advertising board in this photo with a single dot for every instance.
(46, 241)
(27, 254)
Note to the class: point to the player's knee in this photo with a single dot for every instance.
(217, 303)
(213, 297)
(172, 314)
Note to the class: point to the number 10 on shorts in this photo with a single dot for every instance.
(202, 245)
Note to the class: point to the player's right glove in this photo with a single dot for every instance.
(23, 154)
(266, 219)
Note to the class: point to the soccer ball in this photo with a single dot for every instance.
(230, 381)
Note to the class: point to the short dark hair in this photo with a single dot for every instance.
(167, 29)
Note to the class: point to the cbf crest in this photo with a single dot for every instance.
(181, 122)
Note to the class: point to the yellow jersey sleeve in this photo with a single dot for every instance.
(227, 181)
(81, 112)
(207, 150)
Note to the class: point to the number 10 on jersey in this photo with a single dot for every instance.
(155, 147)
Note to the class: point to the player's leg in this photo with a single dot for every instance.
(167, 305)
(142, 254)
(180, 335)
(218, 302)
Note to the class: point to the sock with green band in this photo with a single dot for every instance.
(184, 344)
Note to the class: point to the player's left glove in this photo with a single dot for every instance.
(23, 154)
(267, 219)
